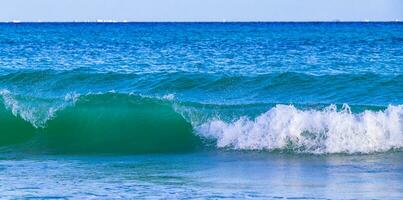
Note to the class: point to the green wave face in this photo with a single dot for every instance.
(14, 130)
(109, 123)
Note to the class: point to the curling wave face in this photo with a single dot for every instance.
(124, 123)
(99, 123)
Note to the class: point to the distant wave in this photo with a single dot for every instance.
(284, 87)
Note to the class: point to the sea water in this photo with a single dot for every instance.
(201, 110)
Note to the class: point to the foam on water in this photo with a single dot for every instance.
(313, 131)
(169, 97)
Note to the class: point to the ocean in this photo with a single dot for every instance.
(201, 110)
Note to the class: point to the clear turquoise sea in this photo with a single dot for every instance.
(201, 110)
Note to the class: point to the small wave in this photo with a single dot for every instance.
(285, 127)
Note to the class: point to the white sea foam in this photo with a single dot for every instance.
(313, 131)
(169, 97)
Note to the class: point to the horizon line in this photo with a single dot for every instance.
(223, 21)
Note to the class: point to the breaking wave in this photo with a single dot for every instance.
(124, 123)
(285, 127)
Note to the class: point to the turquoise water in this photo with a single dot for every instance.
(206, 110)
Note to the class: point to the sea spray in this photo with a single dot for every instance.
(313, 131)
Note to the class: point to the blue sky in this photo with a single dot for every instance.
(201, 10)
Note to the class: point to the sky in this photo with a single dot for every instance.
(201, 10)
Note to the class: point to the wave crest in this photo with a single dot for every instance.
(35, 110)
(313, 131)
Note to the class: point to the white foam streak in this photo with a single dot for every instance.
(314, 131)
(169, 97)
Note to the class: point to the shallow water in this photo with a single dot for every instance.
(204, 175)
